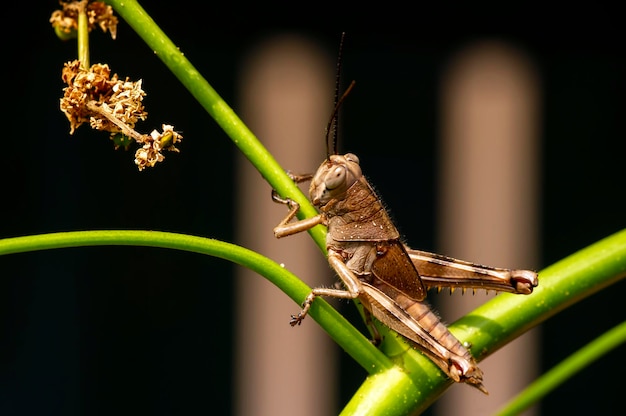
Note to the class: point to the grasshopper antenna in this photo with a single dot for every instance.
(332, 123)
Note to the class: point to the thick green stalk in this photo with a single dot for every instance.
(498, 322)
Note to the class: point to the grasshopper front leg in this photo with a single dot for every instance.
(286, 227)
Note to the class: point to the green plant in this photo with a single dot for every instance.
(561, 285)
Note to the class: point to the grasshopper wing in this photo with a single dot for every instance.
(394, 267)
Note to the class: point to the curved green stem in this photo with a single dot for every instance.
(336, 325)
(565, 370)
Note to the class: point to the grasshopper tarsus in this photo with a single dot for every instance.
(280, 200)
(306, 305)
(296, 320)
(297, 178)
(523, 288)
(524, 281)
(300, 177)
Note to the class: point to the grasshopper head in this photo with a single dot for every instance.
(333, 178)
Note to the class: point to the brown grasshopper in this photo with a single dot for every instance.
(389, 278)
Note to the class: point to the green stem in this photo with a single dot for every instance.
(565, 370)
(250, 146)
(349, 338)
(83, 37)
(494, 324)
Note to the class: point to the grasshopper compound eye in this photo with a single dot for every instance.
(335, 178)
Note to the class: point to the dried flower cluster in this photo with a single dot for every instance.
(94, 95)
(150, 153)
(65, 21)
(95, 87)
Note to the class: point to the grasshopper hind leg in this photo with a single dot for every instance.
(376, 338)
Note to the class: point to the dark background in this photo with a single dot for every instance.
(133, 330)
